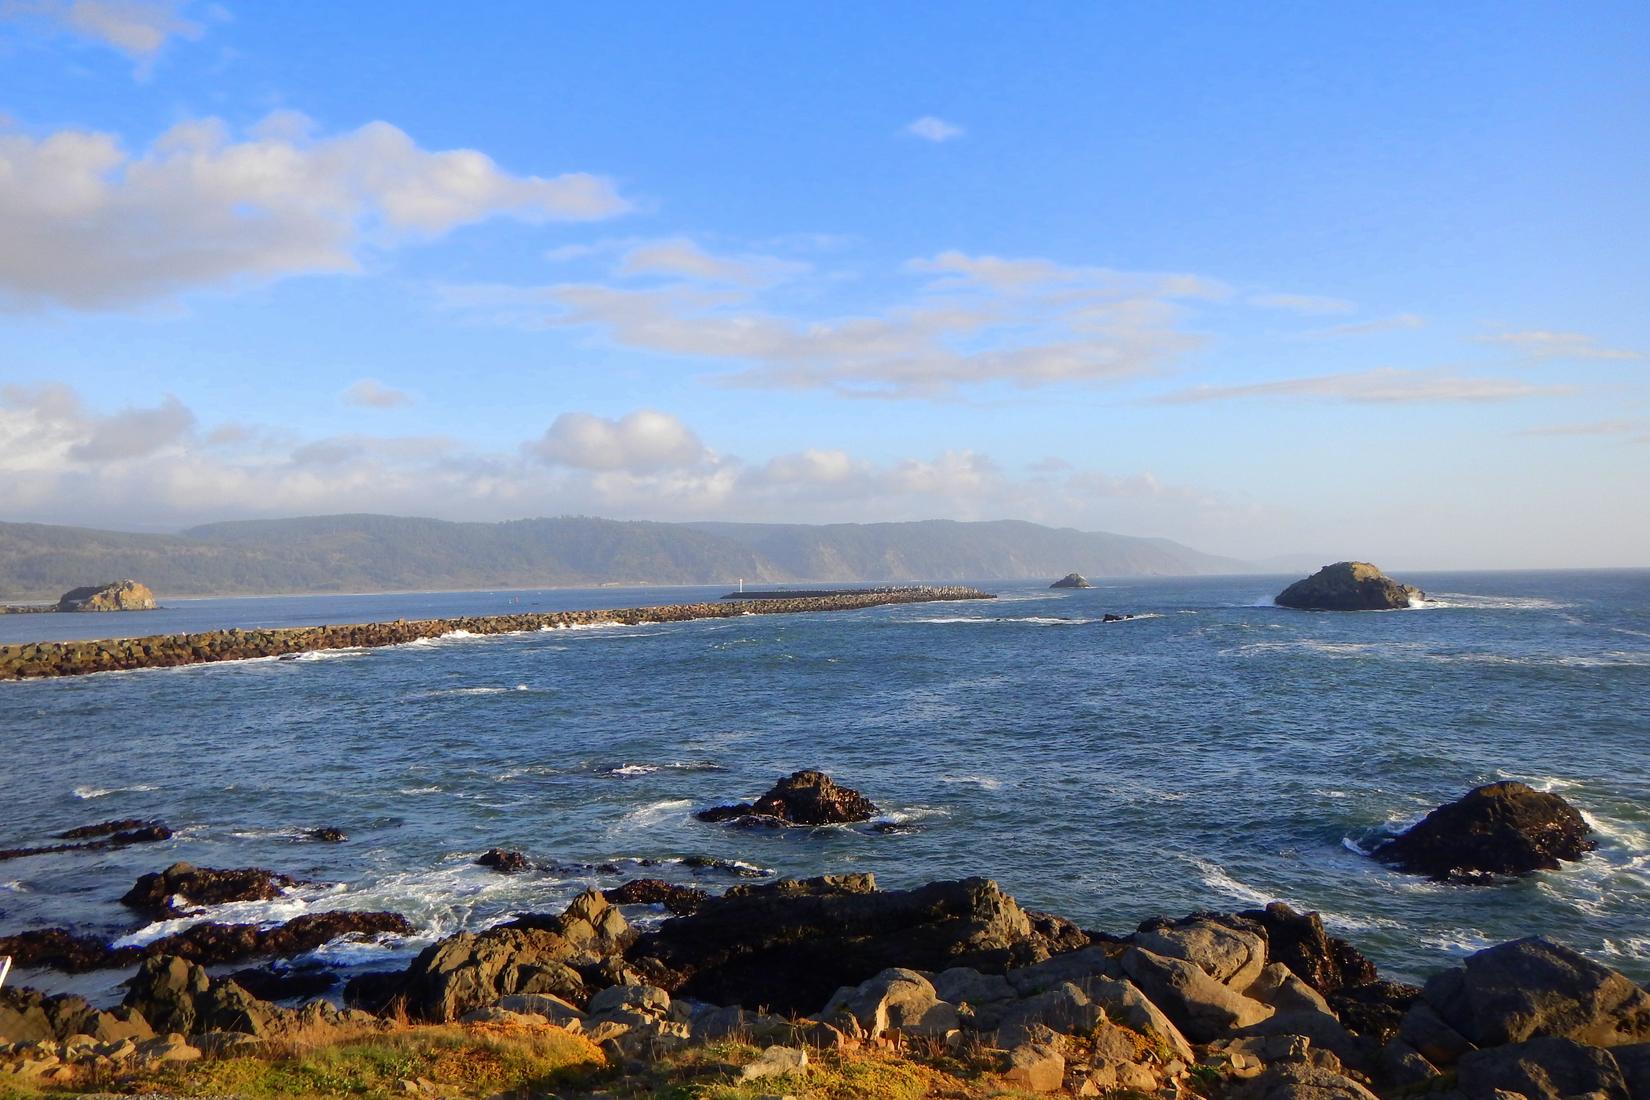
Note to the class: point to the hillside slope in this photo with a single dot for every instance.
(364, 553)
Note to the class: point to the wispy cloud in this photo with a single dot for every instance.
(137, 28)
(88, 225)
(969, 321)
(934, 129)
(1397, 322)
(1633, 431)
(372, 394)
(1302, 303)
(1381, 386)
(1544, 344)
(681, 257)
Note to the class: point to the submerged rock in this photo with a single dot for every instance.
(157, 895)
(121, 596)
(1499, 829)
(114, 834)
(504, 861)
(1072, 580)
(327, 834)
(802, 798)
(1349, 586)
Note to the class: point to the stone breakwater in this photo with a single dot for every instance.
(40, 659)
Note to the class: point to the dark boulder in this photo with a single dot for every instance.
(268, 983)
(788, 946)
(60, 949)
(142, 832)
(1498, 829)
(1298, 941)
(1533, 988)
(164, 991)
(802, 798)
(1072, 580)
(1542, 1069)
(154, 895)
(504, 861)
(679, 900)
(1375, 1009)
(225, 943)
(1349, 586)
(107, 828)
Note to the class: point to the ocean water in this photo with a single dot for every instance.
(1213, 753)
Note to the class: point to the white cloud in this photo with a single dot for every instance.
(982, 320)
(1543, 344)
(373, 394)
(1397, 322)
(1302, 303)
(646, 465)
(644, 441)
(1381, 386)
(934, 129)
(1634, 431)
(137, 28)
(86, 224)
(682, 258)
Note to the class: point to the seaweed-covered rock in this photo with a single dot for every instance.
(1498, 829)
(802, 798)
(1349, 586)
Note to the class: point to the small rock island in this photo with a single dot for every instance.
(1506, 828)
(127, 595)
(1072, 580)
(1349, 586)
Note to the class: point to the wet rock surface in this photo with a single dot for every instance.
(680, 900)
(157, 895)
(504, 861)
(112, 834)
(1497, 829)
(802, 798)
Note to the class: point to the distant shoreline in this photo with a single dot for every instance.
(38, 660)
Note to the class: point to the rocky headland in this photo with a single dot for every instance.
(815, 980)
(40, 659)
(125, 595)
(1349, 586)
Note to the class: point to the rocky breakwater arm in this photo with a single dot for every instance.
(41, 659)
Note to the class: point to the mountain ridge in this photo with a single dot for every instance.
(363, 552)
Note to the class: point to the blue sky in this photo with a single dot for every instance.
(1301, 279)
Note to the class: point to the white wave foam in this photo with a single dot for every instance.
(630, 770)
(984, 782)
(327, 654)
(88, 793)
(1471, 602)
(15, 886)
(1215, 877)
(657, 811)
(420, 790)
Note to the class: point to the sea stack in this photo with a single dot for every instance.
(1072, 580)
(125, 595)
(1349, 586)
(1497, 829)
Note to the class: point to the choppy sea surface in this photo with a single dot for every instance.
(1213, 752)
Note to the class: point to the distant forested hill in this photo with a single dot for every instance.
(366, 553)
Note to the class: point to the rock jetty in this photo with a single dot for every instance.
(1497, 829)
(1072, 580)
(1349, 586)
(121, 596)
(18, 662)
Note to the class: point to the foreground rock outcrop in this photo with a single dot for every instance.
(125, 595)
(1497, 829)
(802, 798)
(1349, 586)
(1258, 1005)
